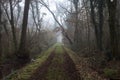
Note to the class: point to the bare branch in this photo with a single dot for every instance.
(63, 30)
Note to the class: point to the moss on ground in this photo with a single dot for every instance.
(59, 49)
(56, 70)
(27, 71)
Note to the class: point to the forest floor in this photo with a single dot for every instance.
(60, 63)
(56, 65)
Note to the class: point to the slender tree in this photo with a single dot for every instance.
(61, 26)
(13, 25)
(98, 25)
(76, 33)
(112, 6)
(0, 40)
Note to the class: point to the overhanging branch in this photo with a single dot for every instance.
(63, 30)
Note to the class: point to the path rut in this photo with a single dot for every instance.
(58, 66)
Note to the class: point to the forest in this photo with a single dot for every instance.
(59, 39)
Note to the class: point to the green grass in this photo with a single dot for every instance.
(26, 72)
(56, 71)
(59, 49)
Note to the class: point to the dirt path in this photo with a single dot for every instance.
(39, 73)
(58, 66)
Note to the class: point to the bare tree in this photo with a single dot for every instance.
(37, 16)
(100, 24)
(13, 24)
(61, 26)
(0, 41)
(97, 25)
(11, 4)
(76, 33)
(112, 7)
(23, 54)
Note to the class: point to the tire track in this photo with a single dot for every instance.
(70, 67)
(58, 66)
(40, 71)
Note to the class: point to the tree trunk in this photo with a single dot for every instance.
(0, 41)
(112, 6)
(98, 27)
(23, 54)
(76, 33)
(13, 25)
(100, 24)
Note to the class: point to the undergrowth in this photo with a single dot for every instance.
(27, 71)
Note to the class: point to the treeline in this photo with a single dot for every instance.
(93, 24)
(22, 33)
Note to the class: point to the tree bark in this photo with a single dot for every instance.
(13, 25)
(76, 32)
(112, 6)
(23, 55)
(0, 41)
(98, 26)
